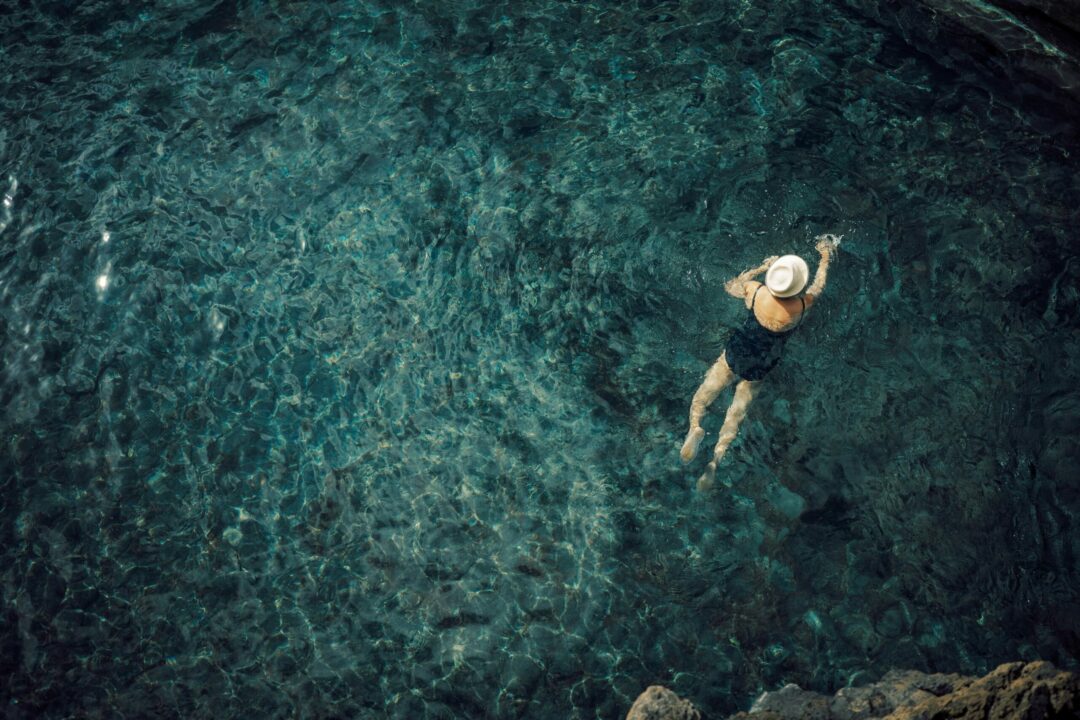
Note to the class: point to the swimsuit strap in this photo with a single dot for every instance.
(754, 299)
(802, 312)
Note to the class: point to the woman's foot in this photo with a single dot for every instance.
(708, 478)
(690, 447)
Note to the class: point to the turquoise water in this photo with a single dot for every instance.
(347, 350)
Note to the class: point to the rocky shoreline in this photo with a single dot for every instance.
(1013, 691)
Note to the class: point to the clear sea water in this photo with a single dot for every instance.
(347, 349)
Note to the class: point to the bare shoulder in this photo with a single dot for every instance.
(809, 300)
(749, 290)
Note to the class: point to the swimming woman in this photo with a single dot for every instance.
(756, 347)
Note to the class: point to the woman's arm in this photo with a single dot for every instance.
(736, 286)
(826, 245)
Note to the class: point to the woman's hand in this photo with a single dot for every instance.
(827, 243)
(769, 261)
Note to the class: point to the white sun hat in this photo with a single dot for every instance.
(787, 276)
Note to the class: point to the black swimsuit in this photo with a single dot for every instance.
(754, 349)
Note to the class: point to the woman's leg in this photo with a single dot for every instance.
(744, 393)
(716, 379)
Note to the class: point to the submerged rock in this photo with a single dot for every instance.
(1014, 691)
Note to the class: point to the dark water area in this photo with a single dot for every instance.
(347, 350)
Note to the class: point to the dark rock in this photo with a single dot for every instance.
(899, 688)
(792, 701)
(659, 703)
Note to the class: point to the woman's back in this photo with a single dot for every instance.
(776, 314)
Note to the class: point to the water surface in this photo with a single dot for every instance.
(347, 349)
